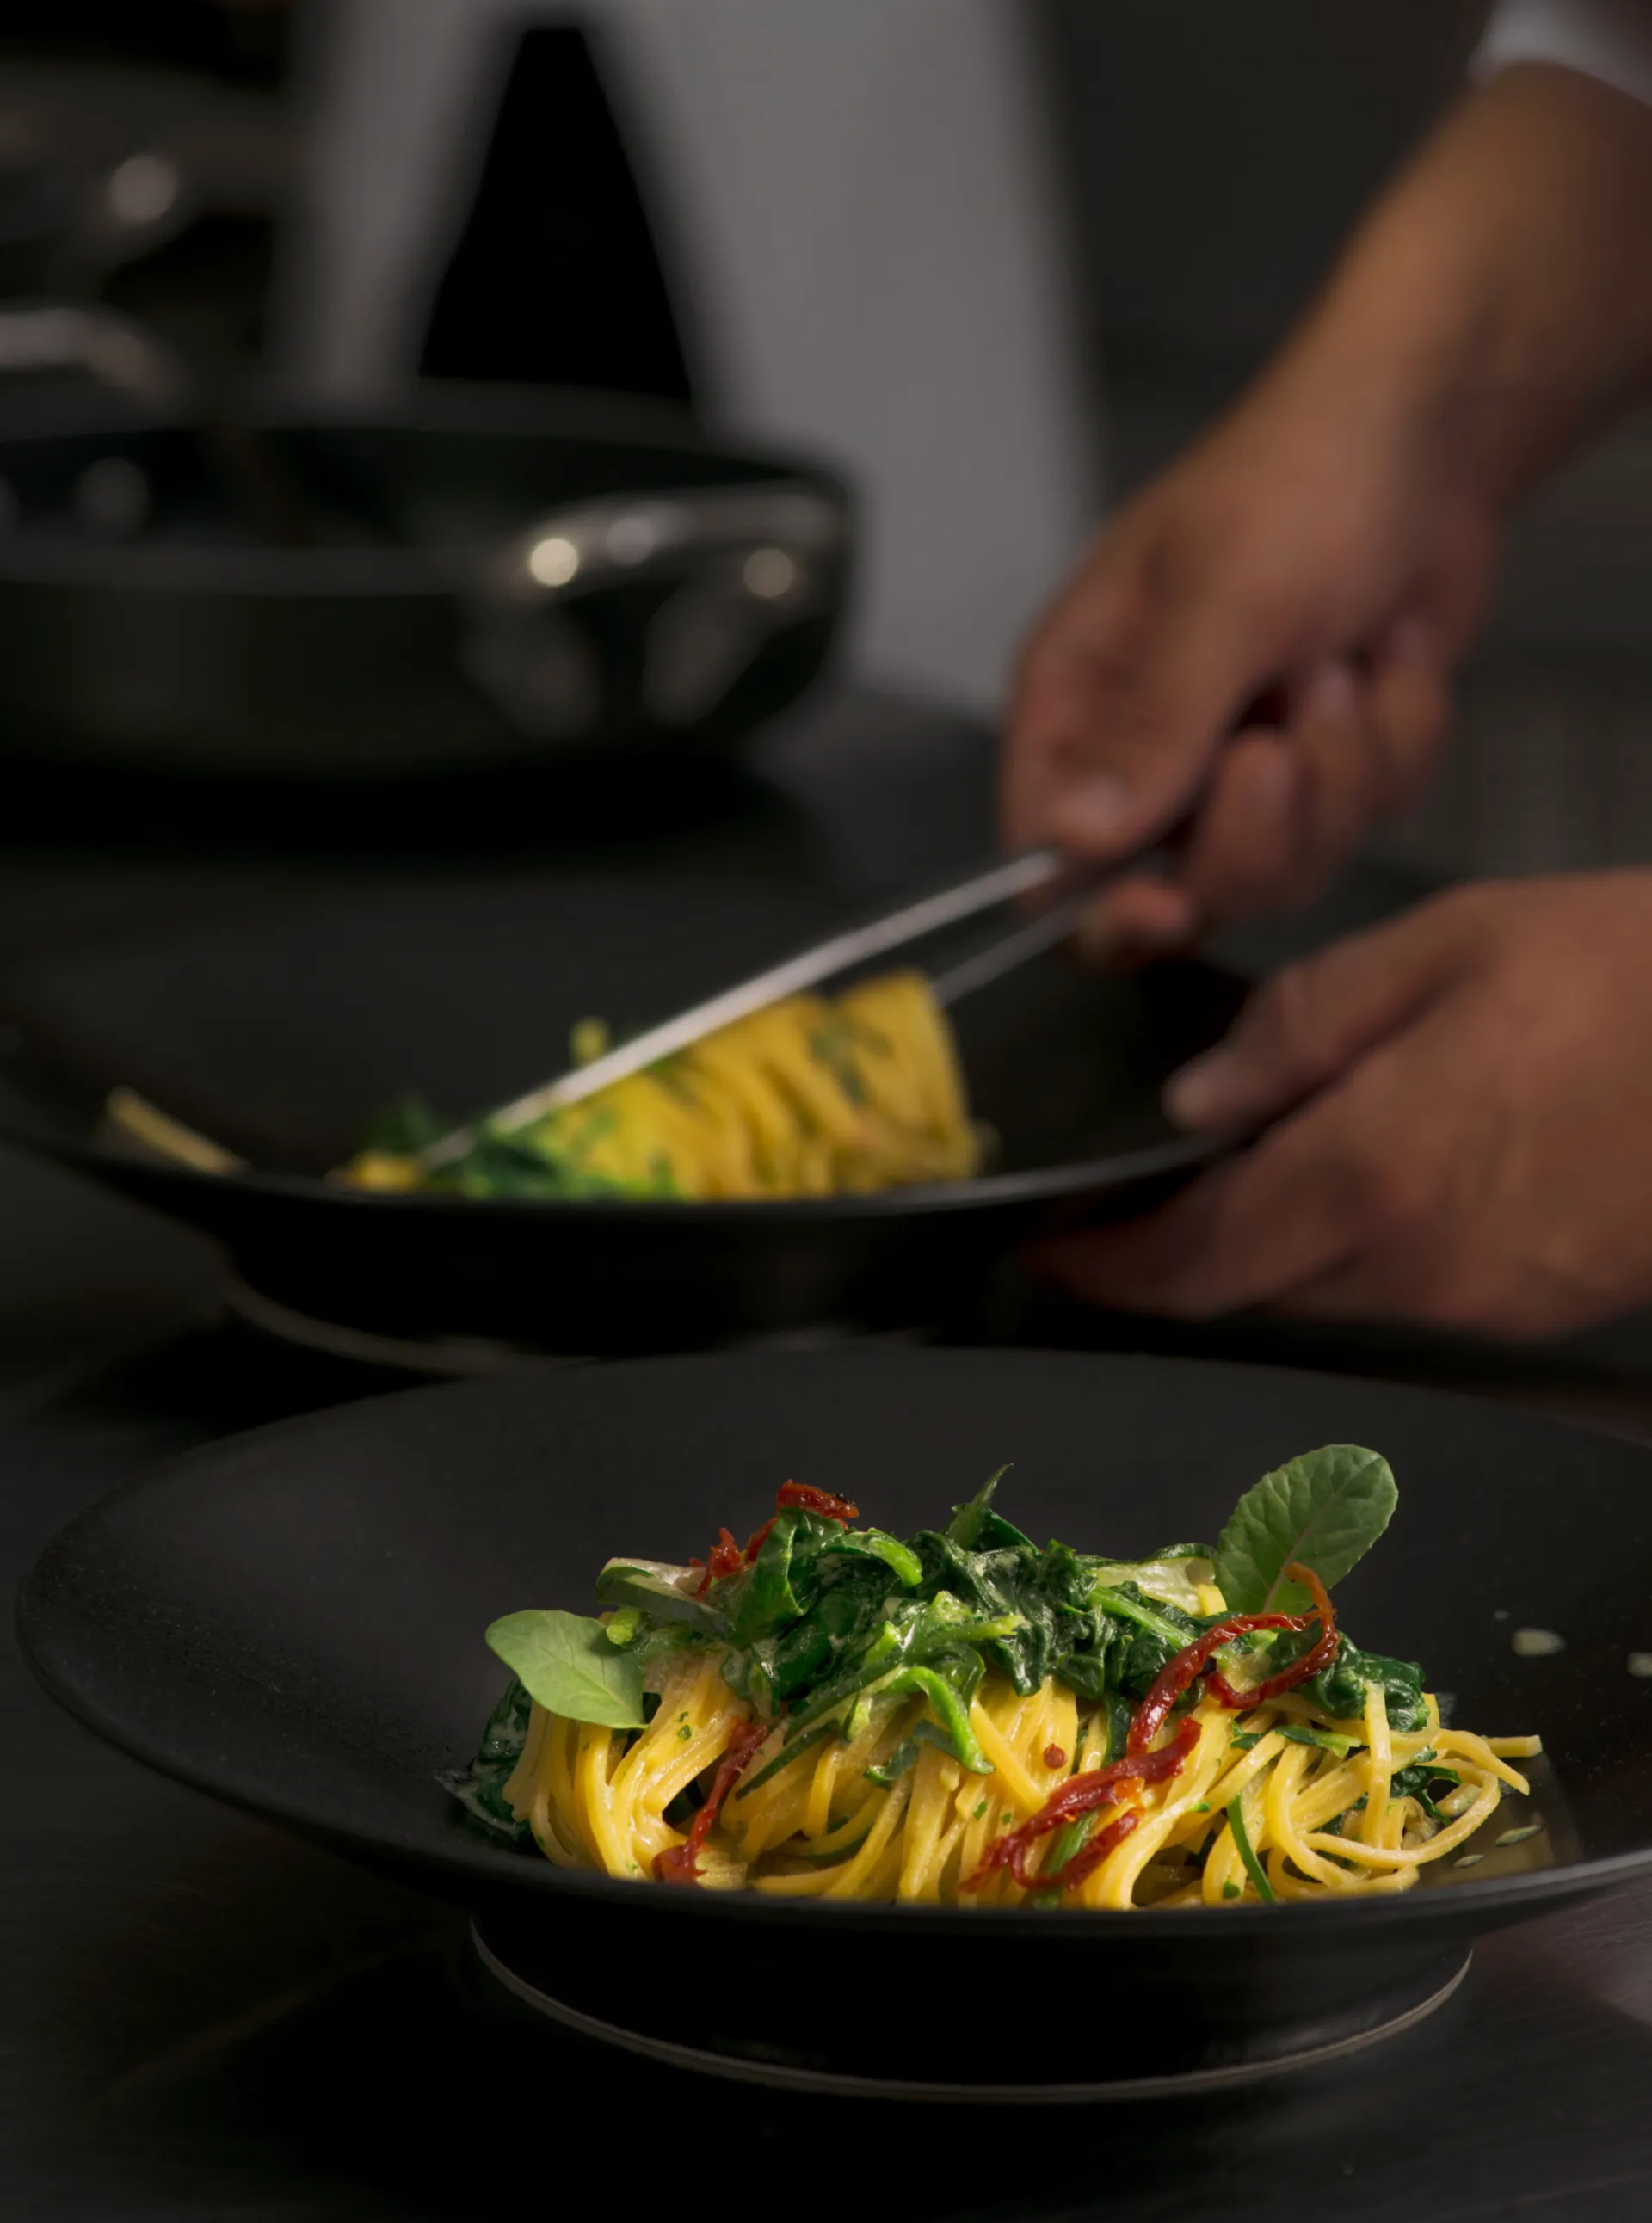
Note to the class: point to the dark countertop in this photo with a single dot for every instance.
(202, 2017)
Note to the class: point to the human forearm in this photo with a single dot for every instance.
(1267, 635)
(1497, 303)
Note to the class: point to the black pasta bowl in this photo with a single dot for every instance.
(292, 1621)
(281, 1034)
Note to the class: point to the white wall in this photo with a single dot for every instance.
(854, 200)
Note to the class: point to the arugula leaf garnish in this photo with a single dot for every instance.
(1325, 1509)
(566, 1662)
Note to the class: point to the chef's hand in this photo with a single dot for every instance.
(1297, 552)
(1462, 1103)
(1330, 545)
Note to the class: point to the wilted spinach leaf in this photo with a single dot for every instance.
(1341, 1688)
(480, 1788)
(974, 1526)
(404, 1127)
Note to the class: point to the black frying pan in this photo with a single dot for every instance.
(467, 576)
(280, 1034)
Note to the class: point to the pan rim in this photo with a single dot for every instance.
(409, 572)
(1076, 1177)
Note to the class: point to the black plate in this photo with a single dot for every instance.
(280, 1034)
(293, 1621)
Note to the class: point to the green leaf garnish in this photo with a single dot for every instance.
(1324, 1510)
(974, 1526)
(480, 1788)
(873, 1544)
(1327, 1739)
(1246, 1852)
(1112, 1601)
(565, 1661)
(795, 1750)
(1173, 1578)
(953, 1715)
(404, 1127)
(656, 1587)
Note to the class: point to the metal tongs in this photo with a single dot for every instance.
(1062, 890)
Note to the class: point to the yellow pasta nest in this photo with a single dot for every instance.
(811, 1096)
(1318, 1822)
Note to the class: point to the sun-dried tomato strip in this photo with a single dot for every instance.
(802, 1497)
(1089, 1855)
(723, 1559)
(1082, 1794)
(727, 1557)
(1178, 1674)
(681, 1863)
(1318, 1655)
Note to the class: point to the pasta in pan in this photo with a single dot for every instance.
(963, 1719)
(810, 1097)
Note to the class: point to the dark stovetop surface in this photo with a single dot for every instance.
(201, 2018)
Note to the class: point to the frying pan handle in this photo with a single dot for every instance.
(739, 564)
(776, 529)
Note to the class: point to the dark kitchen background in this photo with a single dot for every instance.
(995, 260)
(360, 191)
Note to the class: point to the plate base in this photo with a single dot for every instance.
(1281, 2052)
(465, 1358)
